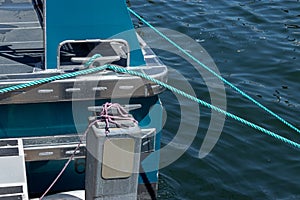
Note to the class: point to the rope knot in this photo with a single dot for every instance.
(114, 115)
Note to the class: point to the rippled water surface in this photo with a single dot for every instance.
(255, 45)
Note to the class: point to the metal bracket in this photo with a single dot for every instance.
(52, 148)
(127, 107)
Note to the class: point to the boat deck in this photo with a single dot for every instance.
(22, 52)
(21, 37)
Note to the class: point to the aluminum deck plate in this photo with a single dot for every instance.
(21, 37)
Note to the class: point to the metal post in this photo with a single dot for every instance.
(112, 163)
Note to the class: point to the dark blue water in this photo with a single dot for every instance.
(255, 45)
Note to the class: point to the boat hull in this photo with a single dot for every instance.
(69, 118)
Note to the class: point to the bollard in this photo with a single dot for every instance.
(112, 162)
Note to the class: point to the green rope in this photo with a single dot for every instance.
(57, 77)
(145, 76)
(214, 73)
(203, 103)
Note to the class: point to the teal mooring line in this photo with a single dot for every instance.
(169, 87)
(214, 73)
(203, 103)
(145, 76)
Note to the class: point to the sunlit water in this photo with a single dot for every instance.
(255, 45)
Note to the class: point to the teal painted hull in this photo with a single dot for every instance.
(47, 119)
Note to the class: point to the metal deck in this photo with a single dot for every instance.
(13, 182)
(21, 37)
